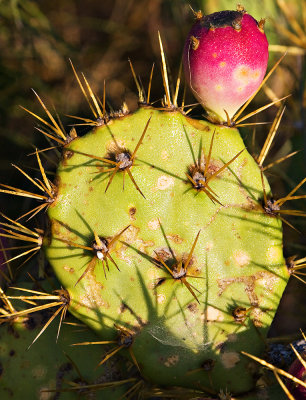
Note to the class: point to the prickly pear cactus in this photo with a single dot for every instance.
(178, 256)
(162, 229)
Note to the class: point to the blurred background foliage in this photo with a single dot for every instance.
(37, 38)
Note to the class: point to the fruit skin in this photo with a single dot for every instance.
(238, 257)
(224, 66)
(298, 370)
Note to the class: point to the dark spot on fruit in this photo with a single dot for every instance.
(12, 353)
(1, 369)
(221, 19)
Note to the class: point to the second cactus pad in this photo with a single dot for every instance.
(160, 236)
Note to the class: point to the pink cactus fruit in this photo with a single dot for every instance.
(299, 371)
(225, 60)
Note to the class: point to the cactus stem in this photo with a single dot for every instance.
(237, 115)
(269, 140)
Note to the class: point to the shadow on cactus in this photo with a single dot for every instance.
(179, 267)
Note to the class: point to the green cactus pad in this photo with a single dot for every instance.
(31, 373)
(187, 328)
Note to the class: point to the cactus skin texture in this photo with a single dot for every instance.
(225, 60)
(186, 328)
(26, 374)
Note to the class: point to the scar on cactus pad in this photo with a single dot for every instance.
(225, 60)
(212, 228)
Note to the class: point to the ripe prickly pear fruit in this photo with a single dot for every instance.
(225, 60)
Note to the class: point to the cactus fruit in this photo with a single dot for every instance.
(225, 60)
(163, 233)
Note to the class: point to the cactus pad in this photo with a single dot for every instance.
(160, 236)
